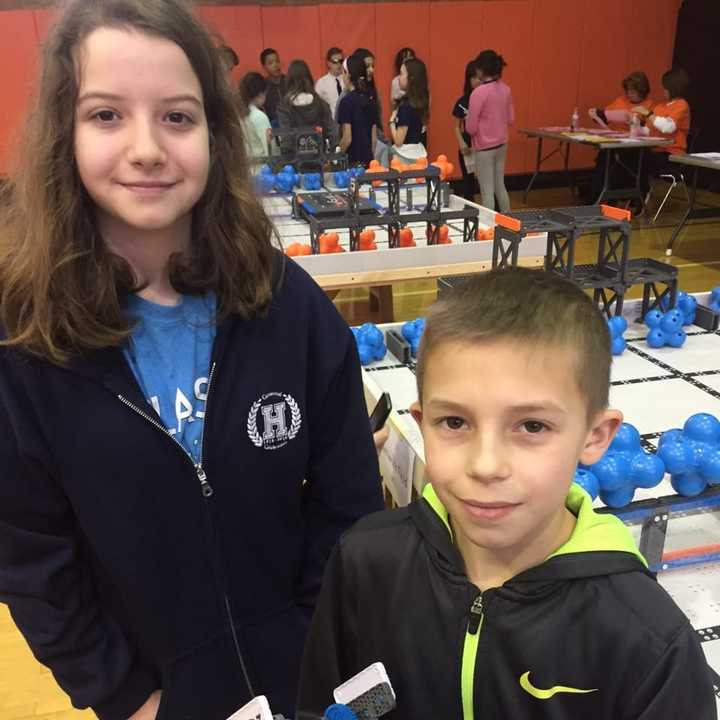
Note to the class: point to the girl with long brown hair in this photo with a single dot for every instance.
(183, 434)
(407, 123)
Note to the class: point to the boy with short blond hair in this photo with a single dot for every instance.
(501, 594)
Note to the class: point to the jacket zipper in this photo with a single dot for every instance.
(207, 492)
(205, 486)
(469, 657)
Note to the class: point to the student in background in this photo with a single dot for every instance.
(636, 92)
(270, 60)
(228, 57)
(357, 113)
(380, 149)
(256, 125)
(468, 185)
(408, 121)
(490, 112)
(302, 107)
(329, 86)
(669, 120)
(396, 92)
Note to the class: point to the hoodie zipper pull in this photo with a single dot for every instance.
(476, 614)
(207, 490)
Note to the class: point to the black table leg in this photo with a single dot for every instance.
(538, 162)
(606, 177)
(690, 208)
(570, 179)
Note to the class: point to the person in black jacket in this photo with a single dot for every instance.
(183, 433)
(302, 107)
(502, 593)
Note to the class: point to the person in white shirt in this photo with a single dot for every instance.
(329, 87)
(256, 124)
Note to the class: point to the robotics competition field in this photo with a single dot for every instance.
(657, 389)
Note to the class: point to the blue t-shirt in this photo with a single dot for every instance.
(169, 353)
(360, 112)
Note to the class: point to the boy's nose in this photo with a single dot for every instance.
(488, 459)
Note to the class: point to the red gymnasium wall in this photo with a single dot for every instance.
(560, 53)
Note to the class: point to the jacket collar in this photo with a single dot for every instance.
(599, 544)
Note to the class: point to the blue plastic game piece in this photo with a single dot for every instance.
(339, 712)
(692, 455)
(715, 299)
(665, 328)
(621, 470)
(685, 303)
(287, 179)
(412, 331)
(588, 482)
(370, 343)
(312, 181)
(341, 178)
(617, 326)
(265, 180)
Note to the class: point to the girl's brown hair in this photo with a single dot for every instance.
(62, 291)
(417, 92)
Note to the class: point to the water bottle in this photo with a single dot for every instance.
(634, 126)
(575, 120)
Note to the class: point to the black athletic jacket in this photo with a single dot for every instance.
(587, 635)
(126, 567)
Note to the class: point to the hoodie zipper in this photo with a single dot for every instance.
(205, 487)
(207, 493)
(469, 656)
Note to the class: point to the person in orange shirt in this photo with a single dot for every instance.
(670, 120)
(636, 92)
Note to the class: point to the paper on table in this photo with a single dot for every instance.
(397, 465)
(714, 156)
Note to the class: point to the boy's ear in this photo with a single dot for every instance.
(603, 429)
(417, 413)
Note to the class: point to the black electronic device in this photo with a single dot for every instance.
(380, 412)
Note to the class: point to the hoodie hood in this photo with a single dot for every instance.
(599, 545)
(306, 109)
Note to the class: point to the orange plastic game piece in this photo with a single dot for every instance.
(298, 249)
(375, 167)
(330, 243)
(367, 240)
(443, 235)
(406, 238)
(446, 167)
(486, 234)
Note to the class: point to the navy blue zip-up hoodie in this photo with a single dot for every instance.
(129, 569)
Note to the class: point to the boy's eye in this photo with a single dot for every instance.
(533, 426)
(453, 423)
(178, 118)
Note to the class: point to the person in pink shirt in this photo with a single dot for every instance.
(490, 113)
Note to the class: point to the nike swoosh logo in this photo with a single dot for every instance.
(529, 688)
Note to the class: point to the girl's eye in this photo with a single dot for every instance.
(105, 116)
(178, 118)
(533, 427)
(453, 423)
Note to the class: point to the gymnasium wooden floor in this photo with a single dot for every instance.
(27, 690)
